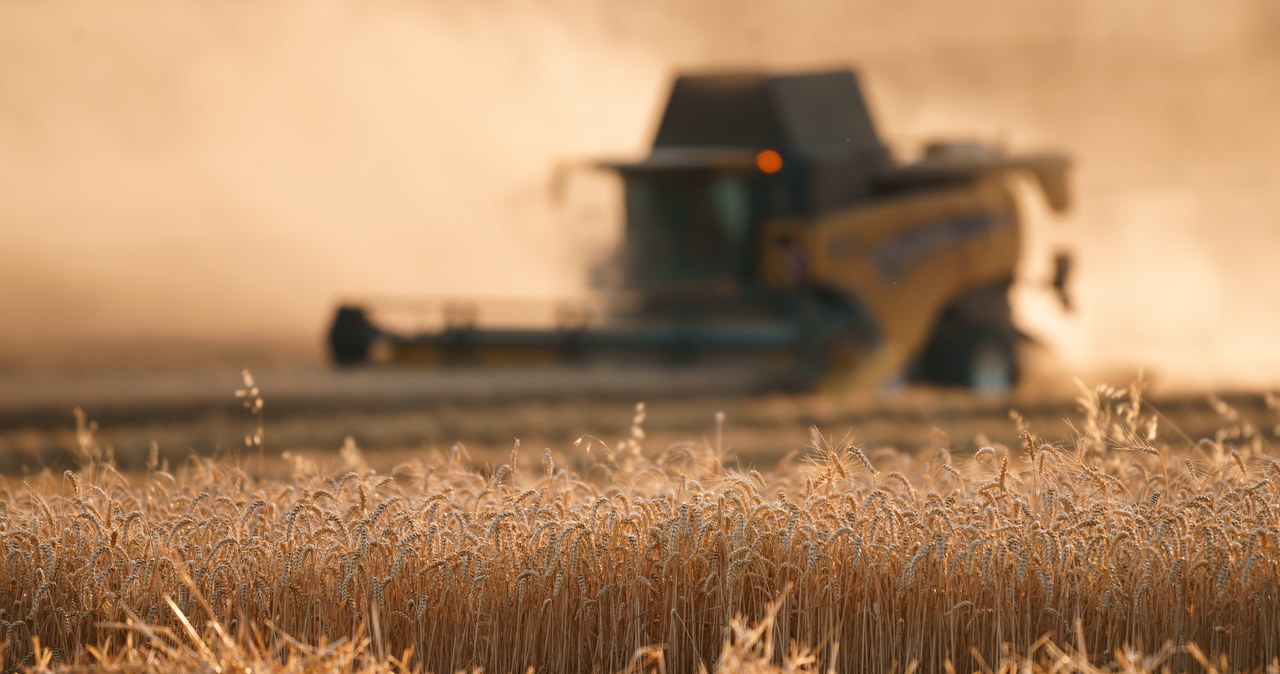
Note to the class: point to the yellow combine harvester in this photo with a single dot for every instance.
(771, 231)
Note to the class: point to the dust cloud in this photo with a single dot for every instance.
(201, 171)
(191, 170)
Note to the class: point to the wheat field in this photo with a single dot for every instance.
(1130, 549)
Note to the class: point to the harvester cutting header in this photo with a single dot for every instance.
(770, 229)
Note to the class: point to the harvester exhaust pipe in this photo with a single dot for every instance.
(351, 336)
(1062, 265)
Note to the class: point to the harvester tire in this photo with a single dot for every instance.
(974, 344)
(976, 357)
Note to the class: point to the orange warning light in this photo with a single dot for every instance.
(769, 161)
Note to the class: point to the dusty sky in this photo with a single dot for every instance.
(179, 169)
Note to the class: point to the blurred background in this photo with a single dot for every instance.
(193, 185)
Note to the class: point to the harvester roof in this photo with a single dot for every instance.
(813, 115)
(822, 136)
(817, 124)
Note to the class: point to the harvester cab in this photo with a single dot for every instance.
(733, 152)
(770, 227)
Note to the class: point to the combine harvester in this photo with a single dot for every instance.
(772, 242)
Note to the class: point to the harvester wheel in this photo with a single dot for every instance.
(993, 363)
(974, 344)
(976, 357)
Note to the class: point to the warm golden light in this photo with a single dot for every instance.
(769, 161)
(150, 142)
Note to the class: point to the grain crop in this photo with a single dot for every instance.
(1132, 549)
